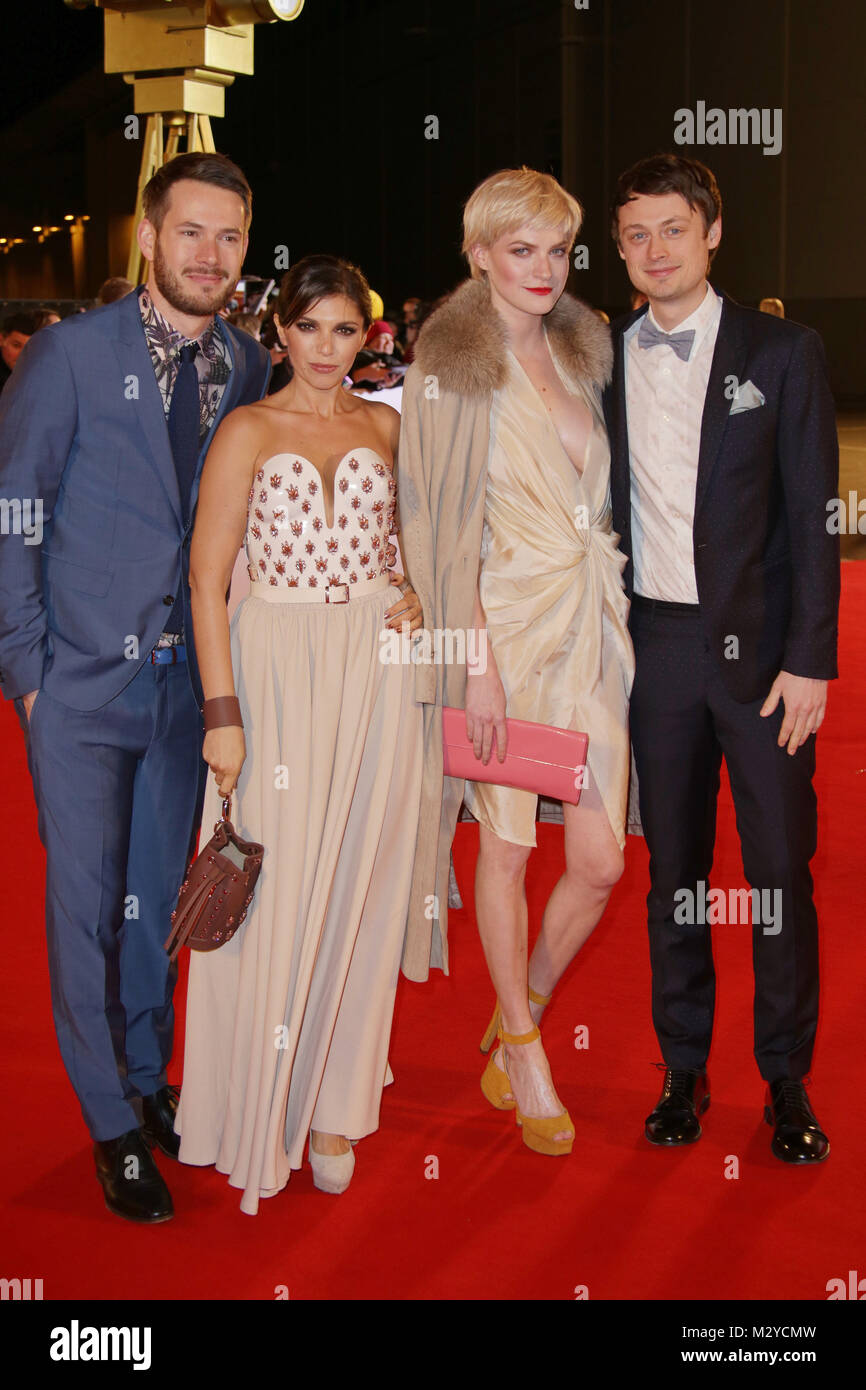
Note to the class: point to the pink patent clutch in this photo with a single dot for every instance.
(540, 757)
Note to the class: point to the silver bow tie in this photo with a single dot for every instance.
(650, 336)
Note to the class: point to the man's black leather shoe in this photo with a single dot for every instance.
(685, 1095)
(158, 1120)
(132, 1183)
(797, 1136)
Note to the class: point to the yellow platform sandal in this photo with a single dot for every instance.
(494, 1082)
(538, 1131)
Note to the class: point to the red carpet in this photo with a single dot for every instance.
(618, 1218)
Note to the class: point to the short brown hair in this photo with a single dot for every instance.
(203, 167)
(115, 287)
(318, 277)
(669, 173)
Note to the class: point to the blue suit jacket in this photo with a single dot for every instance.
(83, 431)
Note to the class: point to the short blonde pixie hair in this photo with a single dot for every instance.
(510, 199)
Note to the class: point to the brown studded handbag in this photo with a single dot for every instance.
(217, 890)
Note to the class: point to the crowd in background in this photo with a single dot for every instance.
(387, 352)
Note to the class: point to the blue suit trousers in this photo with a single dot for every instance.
(119, 792)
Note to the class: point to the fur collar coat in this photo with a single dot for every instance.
(464, 342)
(460, 361)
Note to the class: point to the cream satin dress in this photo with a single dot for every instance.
(551, 588)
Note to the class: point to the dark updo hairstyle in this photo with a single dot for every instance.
(318, 277)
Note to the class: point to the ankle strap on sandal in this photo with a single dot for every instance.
(537, 998)
(515, 1038)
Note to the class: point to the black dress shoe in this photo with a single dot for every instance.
(797, 1136)
(132, 1183)
(685, 1095)
(157, 1125)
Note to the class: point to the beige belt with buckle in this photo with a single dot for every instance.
(323, 593)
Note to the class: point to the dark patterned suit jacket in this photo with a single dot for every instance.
(766, 566)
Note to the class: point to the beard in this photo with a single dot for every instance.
(195, 300)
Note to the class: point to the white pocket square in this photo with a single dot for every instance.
(746, 397)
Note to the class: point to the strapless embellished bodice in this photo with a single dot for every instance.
(288, 539)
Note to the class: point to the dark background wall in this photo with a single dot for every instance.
(331, 135)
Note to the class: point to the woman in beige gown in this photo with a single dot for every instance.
(504, 476)
(288, 1023)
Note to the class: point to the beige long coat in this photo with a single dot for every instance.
(460, 360)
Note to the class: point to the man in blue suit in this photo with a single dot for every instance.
(103, 434)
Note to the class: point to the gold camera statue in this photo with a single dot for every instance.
(179, 58)
(221, 12)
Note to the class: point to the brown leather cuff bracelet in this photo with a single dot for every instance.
(222, 712)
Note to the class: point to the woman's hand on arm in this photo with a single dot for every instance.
(221, 518)
(408, 609)
(485, 699)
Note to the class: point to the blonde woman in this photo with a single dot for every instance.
(505, 506)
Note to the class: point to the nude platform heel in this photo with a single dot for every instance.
(332, 1172)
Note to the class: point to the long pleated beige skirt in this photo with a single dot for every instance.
(288, 1024)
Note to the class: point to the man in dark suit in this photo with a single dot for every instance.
(103, 433)
(724, 456)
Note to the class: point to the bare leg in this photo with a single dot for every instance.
(500, 905)
(593, 865)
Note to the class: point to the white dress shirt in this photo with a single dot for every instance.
(665, 406)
